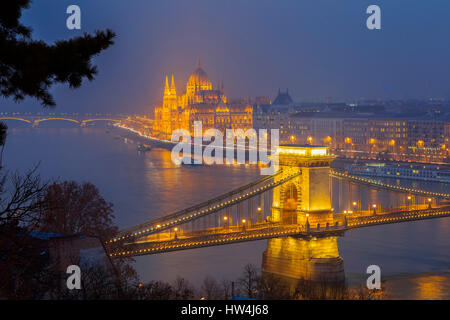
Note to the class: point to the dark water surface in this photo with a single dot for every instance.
(414, 257)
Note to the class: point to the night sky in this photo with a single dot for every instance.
(319, 49)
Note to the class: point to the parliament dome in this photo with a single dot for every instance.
(199, 78)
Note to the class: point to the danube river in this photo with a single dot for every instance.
(414, 257)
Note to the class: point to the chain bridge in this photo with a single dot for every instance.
(293, 202)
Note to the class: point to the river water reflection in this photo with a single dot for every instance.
(414, 257)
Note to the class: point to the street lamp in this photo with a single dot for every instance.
(157, 227)
(175, 233)
(225, 221)
(243, 224)
(374, 206)
(259, 218)
(355, 206)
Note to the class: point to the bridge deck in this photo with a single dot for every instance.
(221, 236)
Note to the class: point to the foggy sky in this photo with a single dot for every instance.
(317, 48)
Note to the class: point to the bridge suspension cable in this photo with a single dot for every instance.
(195, 212)
(381, 185)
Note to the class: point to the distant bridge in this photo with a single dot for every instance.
(17, 119)
(35, 120)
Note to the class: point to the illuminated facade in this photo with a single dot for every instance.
(199, 102)
(307, 198)
(316, 259)
(379, 136)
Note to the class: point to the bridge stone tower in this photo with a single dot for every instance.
(307, 198)
(293, 259)
(304, 200)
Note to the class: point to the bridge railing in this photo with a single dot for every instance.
(270, 230)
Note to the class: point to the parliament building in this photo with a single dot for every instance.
(199, 102)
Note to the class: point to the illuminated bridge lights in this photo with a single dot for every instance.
(210, 209)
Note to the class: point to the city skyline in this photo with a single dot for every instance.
(224, 150)
(318, 52)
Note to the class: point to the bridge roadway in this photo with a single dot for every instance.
(386, 186)
(266, 230)
(248, 191)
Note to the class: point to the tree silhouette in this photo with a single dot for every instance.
(249, 280)
(30, 67)
(71, 208)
